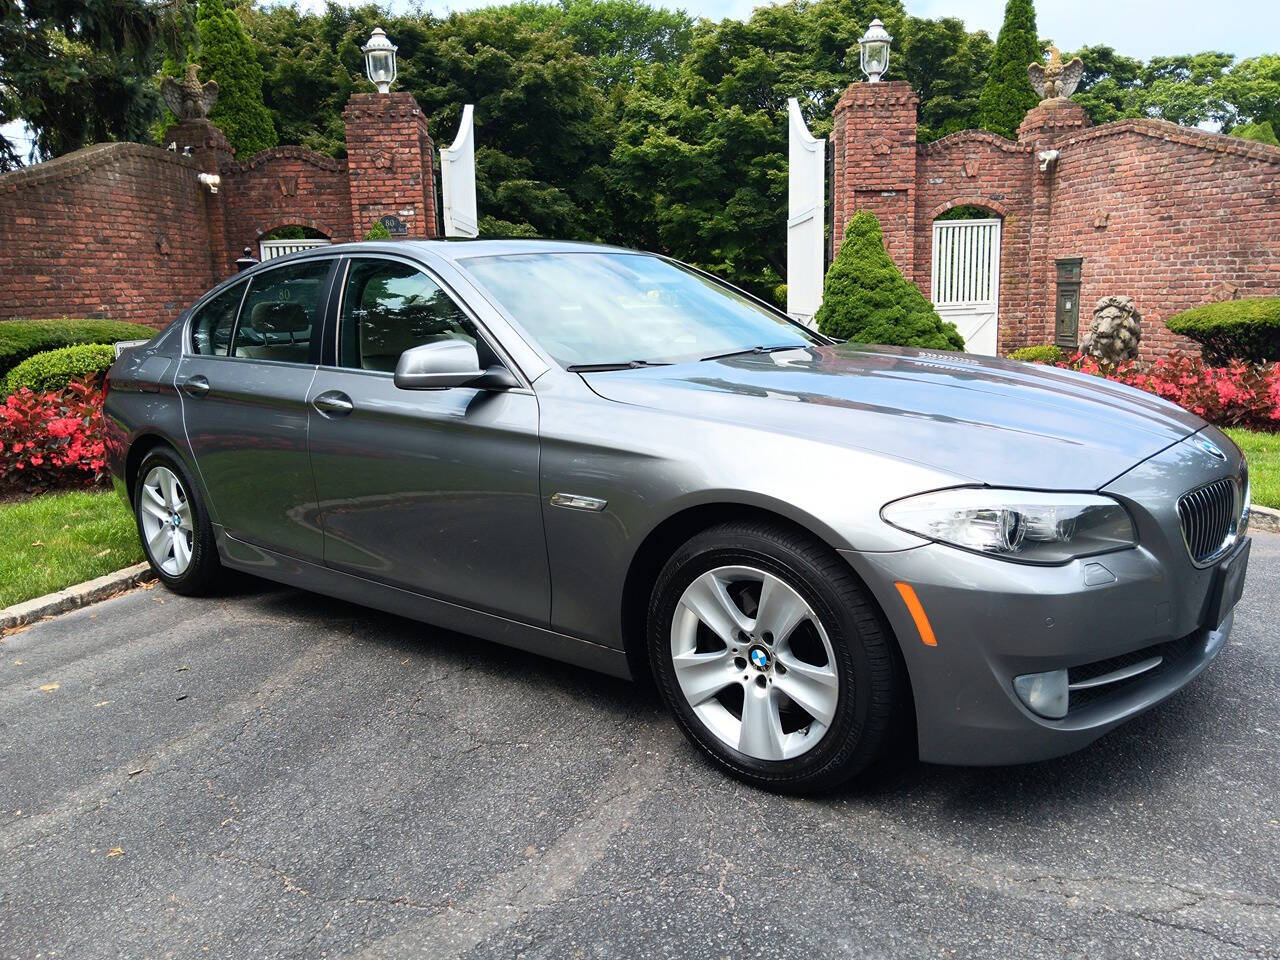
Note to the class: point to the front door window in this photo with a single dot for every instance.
(388, 307)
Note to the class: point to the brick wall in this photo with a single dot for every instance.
(115, 230)
(1168, 215)
(127, 231)
(282, 187)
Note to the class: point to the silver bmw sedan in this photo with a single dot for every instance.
(820, 552)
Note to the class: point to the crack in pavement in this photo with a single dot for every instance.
(540, 882)
(98, 793)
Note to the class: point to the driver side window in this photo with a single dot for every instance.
(388, 307)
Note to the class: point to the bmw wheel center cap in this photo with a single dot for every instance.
(759, 658)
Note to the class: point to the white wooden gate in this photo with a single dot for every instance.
(966, 279)
(278, 248)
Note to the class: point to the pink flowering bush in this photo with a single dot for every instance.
(52, 439)
(1239, 394)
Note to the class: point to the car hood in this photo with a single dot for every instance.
(980, 419)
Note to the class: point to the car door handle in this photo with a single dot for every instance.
(333, 403)
(196, 386)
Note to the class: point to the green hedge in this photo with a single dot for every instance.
(20, 339)
(54, 369)
(1042, 353)
(1233, 329)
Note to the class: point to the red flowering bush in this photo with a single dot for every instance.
(52, 439)
(1240, 394)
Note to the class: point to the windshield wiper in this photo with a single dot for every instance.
(623, 365)
(746, 350)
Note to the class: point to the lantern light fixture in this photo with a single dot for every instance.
(380, 60)
(875, 51)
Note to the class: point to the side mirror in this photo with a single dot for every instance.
(449, 363)
(437, 366)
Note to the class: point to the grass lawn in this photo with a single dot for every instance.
(1263, 451)
(59, 539)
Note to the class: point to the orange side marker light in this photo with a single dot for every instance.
(917, 613)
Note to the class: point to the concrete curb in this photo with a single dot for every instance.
(73, 598)
(1264, 519)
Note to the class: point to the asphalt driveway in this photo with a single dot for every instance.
(276, 774)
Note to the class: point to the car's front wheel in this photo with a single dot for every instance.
(174, 525)
(773, 657)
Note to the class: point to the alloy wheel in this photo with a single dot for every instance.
(165, 514)
(754, 662)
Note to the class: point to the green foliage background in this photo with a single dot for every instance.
(227, 56)
(1008, 95)
(866, 299)
(595, 119)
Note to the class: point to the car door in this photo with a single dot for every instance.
(435, 491)
(244, 380)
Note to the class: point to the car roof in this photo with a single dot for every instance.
(462, 249)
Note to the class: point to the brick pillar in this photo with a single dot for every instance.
(213, 154)
(389, 162)
(874, 147)
(1043, 128)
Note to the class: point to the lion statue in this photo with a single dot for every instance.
(1115, 332)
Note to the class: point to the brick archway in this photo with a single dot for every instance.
(970, 200)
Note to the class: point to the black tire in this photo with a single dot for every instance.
(868, 717)
(204, 572)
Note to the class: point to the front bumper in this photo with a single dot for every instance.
(995, 620)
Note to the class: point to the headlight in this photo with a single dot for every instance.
(1019, 525)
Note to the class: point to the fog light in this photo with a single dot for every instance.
(1044, 693)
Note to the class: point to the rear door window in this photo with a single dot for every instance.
(281, 313)
(212, 324)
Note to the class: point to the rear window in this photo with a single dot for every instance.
(212, 324)
(280, 313)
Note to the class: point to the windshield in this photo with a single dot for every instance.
(620, 308)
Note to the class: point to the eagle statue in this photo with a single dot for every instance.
(1056, 80)
(188, 98)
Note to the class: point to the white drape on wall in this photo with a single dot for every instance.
(458, 180)
(806, 216)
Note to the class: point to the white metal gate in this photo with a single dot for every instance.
(278, 248)
(966, 279)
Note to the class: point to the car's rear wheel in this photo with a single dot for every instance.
(773, 657)
(174, 525)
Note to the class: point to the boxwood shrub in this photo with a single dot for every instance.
(1233, 329)
(866, 299)
(1042, 353)
(20, 339)
(54, 369)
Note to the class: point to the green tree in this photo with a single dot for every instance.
(1250, 92)
(618, 36)
(1262, 132)
(1008, 94)
(699, 169)
(1111, 86)
(228, 56)
(80, 72)
(542, 122)
(867, 300)
(1185, 89)
(945, 65)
